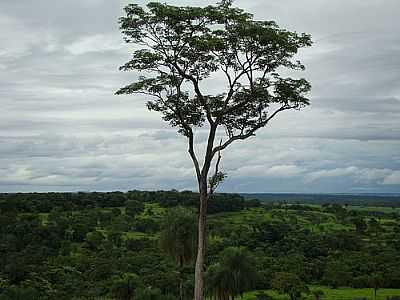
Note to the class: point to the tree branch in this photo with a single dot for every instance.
(214, 180)
(193, 155)
(186, 127)
(251, 132)
(197, 91)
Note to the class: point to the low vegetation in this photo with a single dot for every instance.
(141, 245)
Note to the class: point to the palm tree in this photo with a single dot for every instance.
(124, 288)
(217, 282)
(318, 294)
(178, 239)
(234, 275)
(375, 282)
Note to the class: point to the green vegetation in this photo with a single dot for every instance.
(178, 240)
(86, 246)
(234, 274)
(332, 294)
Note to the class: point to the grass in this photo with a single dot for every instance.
(44, 217)
(136, 235)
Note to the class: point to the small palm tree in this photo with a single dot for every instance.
(234, 275)
(217, 282)
(318, 294)
(125, 287)
(375, 282)
(178, 239)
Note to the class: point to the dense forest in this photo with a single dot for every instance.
(139, 245)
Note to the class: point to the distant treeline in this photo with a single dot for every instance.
(344, 199)
(45, 202)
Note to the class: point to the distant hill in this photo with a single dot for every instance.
(351, 199)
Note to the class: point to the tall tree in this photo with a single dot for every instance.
(180, 49)
(375, 281)
(178, 239)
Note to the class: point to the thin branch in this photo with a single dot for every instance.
(214, 185)
(251, 132)
(209, 150)
(185, 125)
(193, 155)
(197, 90)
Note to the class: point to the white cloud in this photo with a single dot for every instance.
(360, 175)
(275, 171)
(95, 43)
(18, 39)
(392, 179)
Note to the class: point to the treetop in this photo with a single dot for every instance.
(179, 49)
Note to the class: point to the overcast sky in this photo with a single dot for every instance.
(62, 129)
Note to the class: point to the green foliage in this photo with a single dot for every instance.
(152, 294)
(94, 239)
(125, 287)
(53, 259)
(20, 293)
(290, 284)
(216, 180)
(181, 46)
(178, 235)
(360, 224)
(178, 239)
(332, 294)
(318, 294)
(134, 207)
(336, 274)
(233, 275)
(263, 296)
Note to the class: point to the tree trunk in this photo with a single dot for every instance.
(199, 270)
(181, 278)
(181, 288)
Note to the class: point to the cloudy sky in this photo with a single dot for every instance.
(62, 129)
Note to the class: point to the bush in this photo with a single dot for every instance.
(19, 293)
(124, 287)
(152, 294)
(263, 296)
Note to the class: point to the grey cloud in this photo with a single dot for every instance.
(161, 135)
(63, 129)
(392, 179)
(390, 105)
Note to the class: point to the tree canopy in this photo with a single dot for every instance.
(179, 47)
